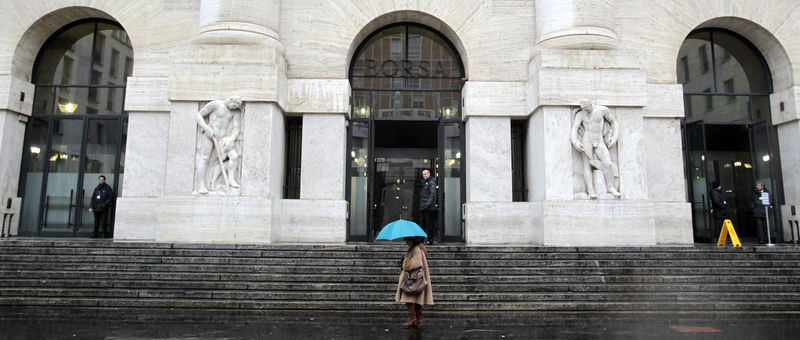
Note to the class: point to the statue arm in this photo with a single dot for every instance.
(612, 139)
(201, 120)
(573, 134)
(235, 130)
(236, 127)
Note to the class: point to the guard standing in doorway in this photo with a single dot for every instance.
(758, 211)
(427, 205)
(719, 208)
(100, 204)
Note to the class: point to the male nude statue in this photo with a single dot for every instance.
(217, 137)
(594, 145)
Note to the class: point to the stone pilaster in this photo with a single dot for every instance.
(575, 24)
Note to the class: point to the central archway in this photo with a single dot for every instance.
(406, 81)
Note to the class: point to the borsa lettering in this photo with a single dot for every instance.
(404, 68)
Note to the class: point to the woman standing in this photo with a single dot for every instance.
(414, 259)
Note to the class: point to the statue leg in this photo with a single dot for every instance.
(204, 148)
(588, 178)
(231, 165)
(609, 170)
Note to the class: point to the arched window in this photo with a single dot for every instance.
(77, 128)
(406, 117)
(724, 78)
(728, 135)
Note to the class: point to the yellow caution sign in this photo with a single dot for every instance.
(727, 227)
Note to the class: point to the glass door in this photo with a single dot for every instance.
(65, 157)
(61, 201)
(698, 183)
(762, 160)
(397, 181)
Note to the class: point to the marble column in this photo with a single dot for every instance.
(549, 162)
(488, 159)
(12, 134)
(237, 51)
(320, 215)
(16, 103)
(490, 215)
(323, 158)
(263, 151)
(789, 140)
(575, 24)
(232, 22)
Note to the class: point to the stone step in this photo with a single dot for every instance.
(351, 295)
(256, 278)
(364, 277)
(195, 250)
(355, 270)
(472, 251)
(452, 306)
(391, 286)
(433, 262)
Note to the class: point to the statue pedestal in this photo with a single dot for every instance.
(611, 223)
(226, 219)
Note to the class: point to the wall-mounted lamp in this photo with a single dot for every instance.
(68, 107)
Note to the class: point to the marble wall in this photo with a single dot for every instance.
(529, 60)
(323, 157)
(488, 159)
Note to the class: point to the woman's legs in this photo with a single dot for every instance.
(418, 314)
(412, 316)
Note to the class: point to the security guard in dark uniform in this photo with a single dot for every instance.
(102, 196)
(719, 208)
(427, 205)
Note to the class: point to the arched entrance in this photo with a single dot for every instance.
(77, 128)
(728, 134)
(406, 82)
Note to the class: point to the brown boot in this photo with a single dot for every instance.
(418, 313)
(412, 316)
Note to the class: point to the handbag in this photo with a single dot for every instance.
(414, 281)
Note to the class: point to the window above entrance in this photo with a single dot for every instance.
(83, 69)
(406, 71)
(725, 79)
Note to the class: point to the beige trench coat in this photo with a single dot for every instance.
(415, 258)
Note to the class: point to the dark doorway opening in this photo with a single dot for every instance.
(406, 134)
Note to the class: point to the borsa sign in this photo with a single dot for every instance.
(404, 68)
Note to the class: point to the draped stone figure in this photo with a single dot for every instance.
(594, 131)
(218, 146)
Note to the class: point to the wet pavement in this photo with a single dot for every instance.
(33, 323)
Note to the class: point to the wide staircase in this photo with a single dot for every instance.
(47, 273)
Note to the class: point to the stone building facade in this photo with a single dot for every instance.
(345, 102)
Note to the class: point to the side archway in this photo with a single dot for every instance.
(730, 136)
(77, 130)
(35, 37)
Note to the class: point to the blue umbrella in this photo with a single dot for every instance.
(399, 229)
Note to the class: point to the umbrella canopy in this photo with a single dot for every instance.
(399, 229)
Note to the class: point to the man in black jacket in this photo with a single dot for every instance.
(427, 205)
(719, 208)
(758, 210)
(102, 196)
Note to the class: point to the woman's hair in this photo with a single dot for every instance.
(419, 241)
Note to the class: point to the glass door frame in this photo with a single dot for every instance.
(775, 217)
(76, 202)
(774, 181)
(410, 153)
(439, 153)
(706, 208)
